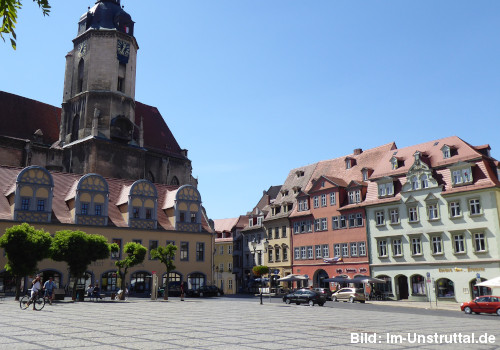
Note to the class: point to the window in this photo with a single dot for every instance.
(277, 254)
(318, 251)
(358, 196)
(379, 218)
(149, 215)
(354, 196)
(418, 285)
(324, 224)
(152, 245)
(221, 250)
(285, 254)
(316, 202)
(351, 197)
(359, 219)
(437, 245)
(326, 250)
(345, 249)
(310, 253)
(362, 248)
(336, 250)
(317, 225)
(85, 209)
(221, 267)
(385, 189)
(276, 232)
(116, 255)
(474, 207)
(343, 221)
(296, 227)
(25, 204)
(200, 251)
(296, 253)
(382, 248)
(98, 209)
(414, 183)
(459, 243)
(413, 214)
(397, 247)
(40, 205)
(121, 78)
(193, 216)
(416, 248)
(184, 251)
(308, 226)
(348, 163)
(323, 200)
(335, 223)
(352, 221)
(424, 181)
(432, 211)
(230, 284)
(259, 221)
(270, 255)
(303, 253)
(354, 249)
(479, 242)
(250, 222)
(394, 214)
(365, 174)
(455, 209)
(303, 205)
(135, 212)
(461, 176)
(332, 198)
(446, 152)
(229, 249)
(283, 232)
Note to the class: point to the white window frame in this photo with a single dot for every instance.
(382, 248)
(303, 252)
(362, 248)
(359, 219)
(333, 199)
(324, 224)
(394, 214)
(345, 249)
(480, 242)
(437, 245)
(433, 211)
(455, 210)
(459, 238)
(326, 250)
(316, 202)
(416, 246)
(336, 250)
(379, 218)
(413, 214)
(397, 247)
(310, 252)
(354, 248)
(317, 249)
(323, 200)
(335, 223)
(475, 207)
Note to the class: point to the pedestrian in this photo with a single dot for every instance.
(182, 291)
(49, 287)
(97, 291)
(36, 285)
(90, 291)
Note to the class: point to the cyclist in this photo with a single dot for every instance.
(49, 287)
(36, 286)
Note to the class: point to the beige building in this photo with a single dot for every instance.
(122, 211)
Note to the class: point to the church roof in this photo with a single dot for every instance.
(21, 117)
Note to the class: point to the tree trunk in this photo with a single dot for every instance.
(123, 284)
(165, 295)
(18, 287)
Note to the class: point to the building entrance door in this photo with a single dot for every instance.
(403, 287)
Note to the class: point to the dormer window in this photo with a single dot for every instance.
(394, 163)
(447, 151)
(143, 202)
(354, 196)
(259, 220)
(299, 173)
(349, 163)
(414, 183)
(33, 196)
(188, 210)
(364, 172)
(385, 189)
(424, 181)
(461, 174)
(250, 222)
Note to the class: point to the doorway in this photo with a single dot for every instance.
(403, 287)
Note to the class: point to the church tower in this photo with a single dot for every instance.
(99, 84)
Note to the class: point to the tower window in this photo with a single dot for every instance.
(121, 77)
(81, 67)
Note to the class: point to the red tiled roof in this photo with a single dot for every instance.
(64, 186)
(21, 117)
(227, 225)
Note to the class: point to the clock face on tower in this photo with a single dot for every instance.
(82, 48)
(123, 51)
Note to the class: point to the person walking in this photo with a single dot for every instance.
(49, 287)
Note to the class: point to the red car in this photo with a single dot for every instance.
(488, 304)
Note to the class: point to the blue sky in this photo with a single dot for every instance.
(255, 88)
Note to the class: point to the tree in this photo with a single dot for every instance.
(8, 12)
(25, 247)
(79, 249)
(136, 253)
(166, 256)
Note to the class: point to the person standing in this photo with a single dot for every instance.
(49, 287)
(36, 285)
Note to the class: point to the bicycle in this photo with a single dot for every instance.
(39, 302)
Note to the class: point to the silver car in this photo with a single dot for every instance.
(349, 294)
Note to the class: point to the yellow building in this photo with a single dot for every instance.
(122, 211)
(224, 255)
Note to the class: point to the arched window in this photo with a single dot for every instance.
(75, 127)
(81, 69)
(174, 181)
(445, 288)
(110, 281)
(33, 199)
(196, 280)
(91, 202)
(414, 183)
(142, 205)
(418, 285)
(140, 282)
(424, 181)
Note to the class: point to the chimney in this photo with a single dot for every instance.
(358, 151)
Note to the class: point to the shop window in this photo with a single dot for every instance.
(445, 288)
(418, 285)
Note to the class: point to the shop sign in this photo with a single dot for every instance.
(339, 270)
(459, 269)
(362, 270)
(351, 270)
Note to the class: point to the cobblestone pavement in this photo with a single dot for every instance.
(237, 323)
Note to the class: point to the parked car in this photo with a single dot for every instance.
(206, 291)
(327, 292)
(349, 294)
(488, 304)
(306, 296)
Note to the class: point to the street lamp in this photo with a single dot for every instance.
(254, 247)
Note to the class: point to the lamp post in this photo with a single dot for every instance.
(254, 247)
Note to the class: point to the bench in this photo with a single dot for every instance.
(93, 297)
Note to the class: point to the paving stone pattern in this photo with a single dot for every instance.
(221, 323)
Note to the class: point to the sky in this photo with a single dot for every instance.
(255, 88)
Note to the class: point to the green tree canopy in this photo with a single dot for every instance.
(24, 247)
(166, 256)
(79, 249)
(135, 255)
(8, 12)
(260, 270)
